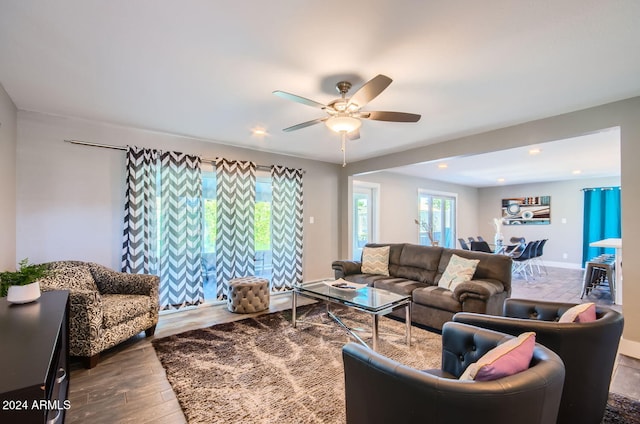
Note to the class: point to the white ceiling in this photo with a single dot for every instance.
(207, 69)
(590, 156)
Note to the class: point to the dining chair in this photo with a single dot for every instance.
(481, 246)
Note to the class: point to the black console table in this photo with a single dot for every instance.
(34, 360)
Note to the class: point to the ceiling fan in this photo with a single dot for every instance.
(344, 114)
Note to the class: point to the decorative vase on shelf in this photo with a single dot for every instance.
(498, 241)
(435, 243)
(24, 294)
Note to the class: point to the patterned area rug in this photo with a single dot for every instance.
(263, 370)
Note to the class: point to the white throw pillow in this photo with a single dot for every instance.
(375, 260)
(458, 271)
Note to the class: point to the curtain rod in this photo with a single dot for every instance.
(111, 146)
(600, 188)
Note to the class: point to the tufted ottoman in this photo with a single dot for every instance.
(248, 294)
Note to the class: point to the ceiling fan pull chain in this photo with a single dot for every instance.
(344, 150)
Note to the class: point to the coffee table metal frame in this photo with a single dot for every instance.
(373, 301)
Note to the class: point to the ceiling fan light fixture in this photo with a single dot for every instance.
(345, 124)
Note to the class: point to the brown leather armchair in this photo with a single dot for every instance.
(588, 350)
(381, 390)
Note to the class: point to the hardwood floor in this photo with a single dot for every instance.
(129, 384)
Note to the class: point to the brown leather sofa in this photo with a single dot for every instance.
(415, 270)
(381, 390)
(588, 350)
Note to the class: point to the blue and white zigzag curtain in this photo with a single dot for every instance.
(163, 223)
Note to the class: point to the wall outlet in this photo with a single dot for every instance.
(565, 256)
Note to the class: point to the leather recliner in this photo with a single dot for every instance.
(381, 390)
(588, 350)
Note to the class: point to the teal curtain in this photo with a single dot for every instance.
(602, 219)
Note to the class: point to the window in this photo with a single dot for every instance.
(437, 212)
(262, 230)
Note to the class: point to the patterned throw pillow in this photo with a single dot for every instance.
(506, 359)
(584, 312)
(375, 260)
(458, 271)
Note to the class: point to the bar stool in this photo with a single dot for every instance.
(597, 271)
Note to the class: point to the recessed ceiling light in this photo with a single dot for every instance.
(259, 131)
(500, 180)
(443, 165)
(534, 151)
(576, 172)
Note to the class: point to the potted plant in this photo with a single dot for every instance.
(22, 286)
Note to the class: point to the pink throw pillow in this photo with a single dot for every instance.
(506, 359)
(584, 312)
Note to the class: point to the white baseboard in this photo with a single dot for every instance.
(567, 265)
(629, 348)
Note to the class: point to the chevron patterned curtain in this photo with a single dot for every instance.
(286, 227)
(180, 223)
(163, 223)
(236, 199)
(140, 254)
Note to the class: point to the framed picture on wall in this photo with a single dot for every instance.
(526, 210)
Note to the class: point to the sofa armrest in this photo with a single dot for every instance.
(113, 282)
(344, 268)
(85, 318)
(477, 289)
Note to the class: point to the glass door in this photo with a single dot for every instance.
(437, 219)
(364, 216)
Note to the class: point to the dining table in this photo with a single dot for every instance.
(615, 243)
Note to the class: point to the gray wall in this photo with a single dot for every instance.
(70, 198)
(8, 140)
(624, 114)
(399, 205)
(566, 203)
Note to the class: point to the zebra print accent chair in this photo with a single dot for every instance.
(105, 307)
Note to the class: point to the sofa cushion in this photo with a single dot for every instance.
(583, 312)
(70, 278)
(119, 308)
(508, 358)
(418, 263)
(398, 285)
(437, 297)
(458, 271)
(375, 260)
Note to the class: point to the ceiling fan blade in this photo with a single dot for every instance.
(391, 116)
(304, 124)
(299, 99)
(370, 90)
(353, 135)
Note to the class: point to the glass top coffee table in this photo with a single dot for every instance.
(375, 302)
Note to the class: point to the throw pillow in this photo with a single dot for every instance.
(584, 312)
(375, 260)
(458, 271)
(506, 359)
